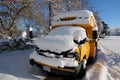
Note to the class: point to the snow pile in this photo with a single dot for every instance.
(101, 69)
(97, 72)
(61, 39)
(74, 17)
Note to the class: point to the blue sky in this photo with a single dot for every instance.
(109, 11)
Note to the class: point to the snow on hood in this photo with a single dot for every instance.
(61, 39)
(75, 31)
(55, 43)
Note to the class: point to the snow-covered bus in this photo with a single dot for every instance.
(70, 44)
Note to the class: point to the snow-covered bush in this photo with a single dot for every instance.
(15, 44)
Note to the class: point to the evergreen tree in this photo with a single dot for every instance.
(105, 29)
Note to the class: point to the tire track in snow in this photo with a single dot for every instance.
(112, 56)
(113, 62)
(107, 49)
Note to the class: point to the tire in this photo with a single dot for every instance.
(81, 73)
(96, 54)
(32, 62)
(78, 69)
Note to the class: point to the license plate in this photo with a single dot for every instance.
(46, 68)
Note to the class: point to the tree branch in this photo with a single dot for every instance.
(6, 5)
(1, 22)
(17, 13)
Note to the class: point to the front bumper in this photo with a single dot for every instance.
(57, 70)
(57, 62)
(55, 65)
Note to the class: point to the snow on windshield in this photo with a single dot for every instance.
(61, 38)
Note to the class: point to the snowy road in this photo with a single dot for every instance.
(15, 65)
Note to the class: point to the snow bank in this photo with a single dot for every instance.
(97, 72)
(61, 39)
(15, 66)
(101, 69)
(110, 56)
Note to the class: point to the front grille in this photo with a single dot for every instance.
(56, 54)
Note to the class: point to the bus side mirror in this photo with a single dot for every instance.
(94, 34)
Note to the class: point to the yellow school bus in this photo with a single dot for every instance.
(69, 46)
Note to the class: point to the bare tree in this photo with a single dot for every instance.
(57, 6)
(9, 19)
(13, 10)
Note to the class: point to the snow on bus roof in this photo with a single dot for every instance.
(74, 17)
(79, 13)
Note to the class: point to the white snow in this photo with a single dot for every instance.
(24, 35)
(61, 39)
(55, 43)
(108, 41)
(78, 17)
(15, 65)
(97, 72)
(30, 29)
(95, 28)
(7, 77)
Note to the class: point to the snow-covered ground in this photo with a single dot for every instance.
(15, 65)
(111, 43)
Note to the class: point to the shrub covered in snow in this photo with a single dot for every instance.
(14, 44)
